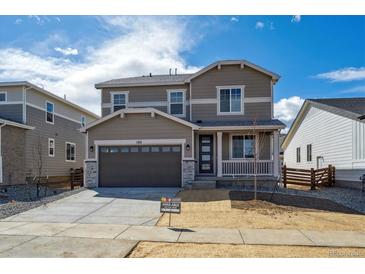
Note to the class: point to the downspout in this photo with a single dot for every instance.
(1, 156)
(190, 104)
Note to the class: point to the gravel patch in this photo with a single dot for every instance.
(351, 198)
(9, 208)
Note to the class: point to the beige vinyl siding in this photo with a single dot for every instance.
(256, 85)
(38, 99)
(144, 94)
(62, 131)
(208, 112)
(139, 127)
(13, 154)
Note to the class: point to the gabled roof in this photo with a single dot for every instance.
(121, 112)
(14, 124)
(241, 62)
(352, 108)
(41, 90)
(180, 79)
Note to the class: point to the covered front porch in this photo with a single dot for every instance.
(233, 153)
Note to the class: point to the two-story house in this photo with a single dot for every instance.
(167, 130)
(39, 133)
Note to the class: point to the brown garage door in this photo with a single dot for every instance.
(140, 166)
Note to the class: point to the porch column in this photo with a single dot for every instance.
(219, 154)
(276, 158)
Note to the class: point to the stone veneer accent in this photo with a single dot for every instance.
(188, 171)
(91, 173)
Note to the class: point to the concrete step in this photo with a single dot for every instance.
(203, 184)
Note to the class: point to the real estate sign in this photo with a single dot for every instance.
(170, 205)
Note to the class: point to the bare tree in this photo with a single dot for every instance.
(258, 145)
(38, 162)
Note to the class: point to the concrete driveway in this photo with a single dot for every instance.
(127, 206)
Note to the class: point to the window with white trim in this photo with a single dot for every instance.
(49, 112)
(176, 99)
(243, 146)
(51, 147)
(119, 100)
(309, 153)
(230, 100)
(70, 152)
(298, 154)
(83, 121)
(3, 96)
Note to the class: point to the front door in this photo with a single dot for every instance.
(206, 154)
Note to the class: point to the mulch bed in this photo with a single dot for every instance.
(309, 203)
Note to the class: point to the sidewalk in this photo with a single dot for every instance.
(177, 235)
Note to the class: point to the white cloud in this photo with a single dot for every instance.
(296, 19)
(259, 25)
(18, 21)
(287, 109)
(145, 44)
(234, 19)
(67, 51)
(344, 74)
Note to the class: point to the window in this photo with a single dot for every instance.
(51, 147)
(309, 153)
(119, 100)
(83, 121)
(70, 152)
(243, 146)
(298, 154)
(3, 96)
(49, 112)
(176, 100)
(230, 100)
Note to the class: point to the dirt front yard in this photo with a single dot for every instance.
(187, 250)
(216, 209)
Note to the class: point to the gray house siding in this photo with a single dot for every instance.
(137, 127)
(12, 112)
(62, 131)
(13, 154)
(38, 99)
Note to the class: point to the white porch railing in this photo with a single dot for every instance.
(247, 167)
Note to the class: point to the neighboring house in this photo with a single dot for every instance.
(329, 132)
(39, 129)
(167, 130)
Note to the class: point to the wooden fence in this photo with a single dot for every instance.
(309, 177)
(77, 177)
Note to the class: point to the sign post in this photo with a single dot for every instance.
(170, 205)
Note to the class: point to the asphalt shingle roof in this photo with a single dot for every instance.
(154, 79)
(354, 105)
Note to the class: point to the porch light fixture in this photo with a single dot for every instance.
(91, 148)
(187, 147)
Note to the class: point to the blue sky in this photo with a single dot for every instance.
(316, 56)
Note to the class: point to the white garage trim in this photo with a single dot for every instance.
(142, 142)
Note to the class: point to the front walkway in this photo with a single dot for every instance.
(26, 239)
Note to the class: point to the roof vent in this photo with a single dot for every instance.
(175, 71)
(150, 74)
(64, 96)
(170, 71)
